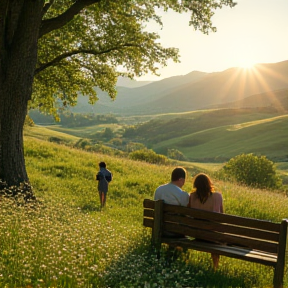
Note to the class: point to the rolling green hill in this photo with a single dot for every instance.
(267, 137)
(44, 133)
(89, 132)
(219, 134)
(169, 126)
(214, 135)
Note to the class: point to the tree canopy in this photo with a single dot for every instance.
(53, 50)
(84, 46)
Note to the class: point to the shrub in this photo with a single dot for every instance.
(149, 156)
(116, 141)
(83, 143)
(176, 154)
(134, 146)
(130, 132)
(253, 170)
(55, 139)
(108, 133)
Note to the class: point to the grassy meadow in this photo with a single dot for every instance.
(66, 240)
(214, 135)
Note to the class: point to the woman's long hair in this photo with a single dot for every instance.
(203, 186)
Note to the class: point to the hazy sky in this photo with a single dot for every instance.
(254, 31)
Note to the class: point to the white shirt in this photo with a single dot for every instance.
(171, 194)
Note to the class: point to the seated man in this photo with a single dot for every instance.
(172, 193)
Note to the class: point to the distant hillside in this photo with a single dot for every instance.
(277, 99)
(266, 137)
(128, 100)
(196, 90)
(165, 128)
(220, 141)
(127, 82)
(222, 87)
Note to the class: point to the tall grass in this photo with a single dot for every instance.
(68, 241)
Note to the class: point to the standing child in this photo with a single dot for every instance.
(104, 176)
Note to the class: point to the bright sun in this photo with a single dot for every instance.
(246, 64)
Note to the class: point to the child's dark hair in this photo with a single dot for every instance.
(102, 164)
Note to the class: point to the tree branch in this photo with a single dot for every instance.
(63, 56)
(59, 21)
(47, 6)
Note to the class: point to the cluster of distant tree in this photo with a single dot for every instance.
(70, 119)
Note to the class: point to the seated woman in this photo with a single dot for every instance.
(205, 198)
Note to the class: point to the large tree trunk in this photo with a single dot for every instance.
(12, 164)
(17, 65)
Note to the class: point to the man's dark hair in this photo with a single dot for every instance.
(102, 164)
(178, 173)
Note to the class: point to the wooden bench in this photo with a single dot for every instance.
(248, 239)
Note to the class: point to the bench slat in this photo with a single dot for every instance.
(148, 203)
(148, 213)
(147, 222)
(233, 252)
(265, 246)
(218, 217)
(216, 236)
(223, 227)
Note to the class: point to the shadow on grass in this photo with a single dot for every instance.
(92, 206)
(141, 268)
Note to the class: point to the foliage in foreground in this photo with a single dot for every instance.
(253, 170)
(68, 241)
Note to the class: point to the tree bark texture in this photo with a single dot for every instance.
(19, 28)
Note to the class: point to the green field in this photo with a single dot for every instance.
(214, 135)
(89, 132)
(44, 133)
(68, 241)
(266, 137)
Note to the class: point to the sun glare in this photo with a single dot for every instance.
(247, 64)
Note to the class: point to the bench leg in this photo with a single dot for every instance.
(158, 253)
(279, 268)
(215, 259)
(278, 278)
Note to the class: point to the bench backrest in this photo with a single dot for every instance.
(210, 226)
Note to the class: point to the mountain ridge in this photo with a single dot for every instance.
(227, 86)
(193, 91)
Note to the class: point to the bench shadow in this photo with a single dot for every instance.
(142, 268)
